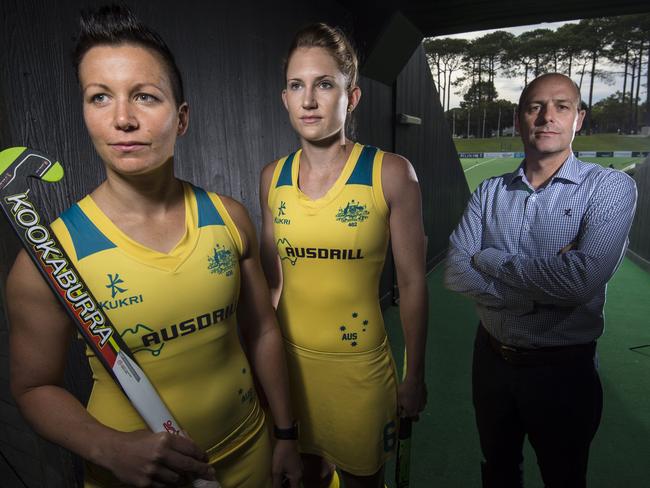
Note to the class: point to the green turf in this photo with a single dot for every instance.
(477, 169)
(446, 451)
(597, 142)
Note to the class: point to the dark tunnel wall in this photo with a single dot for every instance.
(373, 124)
(231, 60)
(431, 150)
(230, 56)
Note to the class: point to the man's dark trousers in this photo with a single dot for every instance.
(557, 402)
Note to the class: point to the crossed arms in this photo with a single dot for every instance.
(502, 280)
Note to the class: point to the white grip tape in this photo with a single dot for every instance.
(143, 395)
(147, 402)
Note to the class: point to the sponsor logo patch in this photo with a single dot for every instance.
(221, 261)
(153, 341)
(114, 282)
(281, 218)
(292, 254)
(353, 213)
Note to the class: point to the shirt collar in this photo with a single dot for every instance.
(517, 175)
(569, 171)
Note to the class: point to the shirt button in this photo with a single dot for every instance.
(533, 196)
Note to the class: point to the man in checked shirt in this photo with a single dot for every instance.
(535, 249)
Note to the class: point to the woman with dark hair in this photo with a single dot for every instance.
(328, 212)
(178, 270)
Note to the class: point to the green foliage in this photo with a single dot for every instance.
(498, 116)
(612, 113)
(478, 94)
(568, 37)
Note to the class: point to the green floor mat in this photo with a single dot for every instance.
(445, 447)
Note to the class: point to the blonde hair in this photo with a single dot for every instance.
(334, 41)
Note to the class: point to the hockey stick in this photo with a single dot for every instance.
(403, 461)
(16, 165)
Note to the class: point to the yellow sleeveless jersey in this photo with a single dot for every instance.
(332, 251)
(177, 313)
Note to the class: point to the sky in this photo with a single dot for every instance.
(510, 89)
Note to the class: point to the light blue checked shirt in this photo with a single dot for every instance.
(527, 293)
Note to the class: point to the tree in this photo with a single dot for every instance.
(498, 116)
(619, 53)
(433, 51)
(638, 85)
(483, 57)
(535, 45)
(576, 49)
(610, 114)
(455, 49)
(630, 36)
(639, 46)
(473, 68)
(492, 48)
(478, 94)
(446, 56)
(568, 37)
(644, 26)
(595, 35)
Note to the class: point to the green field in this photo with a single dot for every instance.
(477, 169)
(597, 142)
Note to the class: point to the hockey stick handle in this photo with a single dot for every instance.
(405, 428)
(403, 463)
(147, 402)
(60, 274)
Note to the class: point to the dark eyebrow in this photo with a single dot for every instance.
(555, 100)
(141, 86)
(564, 100)
(319, 78)
(137, 87)
(96, 85)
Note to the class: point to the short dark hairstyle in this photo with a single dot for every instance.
(334, 41)
(114, 25)
(529, 86)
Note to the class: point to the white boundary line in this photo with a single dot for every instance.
(479, 164)
(629, 166)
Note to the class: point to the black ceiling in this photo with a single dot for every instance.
(438, 17)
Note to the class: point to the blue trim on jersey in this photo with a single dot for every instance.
(362, 174)
(208, 214)
(285, 175)
(86, 237)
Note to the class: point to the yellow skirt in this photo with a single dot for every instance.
(346, 405)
